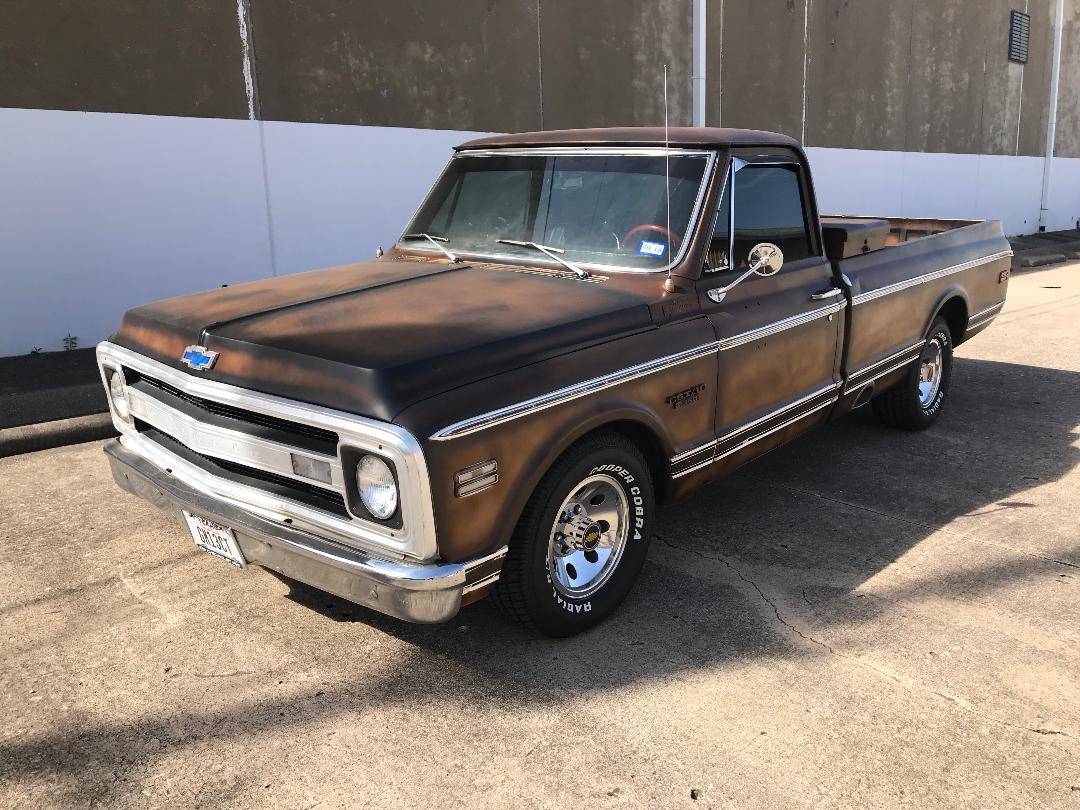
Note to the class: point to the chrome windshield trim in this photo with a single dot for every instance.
(691, 226)
(571, 392)
(780, 326)
(415, 539)
(871, 295)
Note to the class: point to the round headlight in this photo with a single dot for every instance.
(118, 394)
(378, 490)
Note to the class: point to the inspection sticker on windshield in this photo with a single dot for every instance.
(652, 248)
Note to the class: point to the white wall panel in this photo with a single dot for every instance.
(100, 211)
(857, 182)
(337, 192)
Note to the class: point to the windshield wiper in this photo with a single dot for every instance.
(550, 252)
(435, 241)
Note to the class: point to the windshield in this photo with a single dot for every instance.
(592, 209)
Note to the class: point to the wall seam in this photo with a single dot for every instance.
(720, 71)
(540, 64)
(243, 18)
(806, 63)
(1020, 104)
(251, 84)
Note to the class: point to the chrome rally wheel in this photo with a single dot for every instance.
(916, 399)
(582, 538)
(931, 370)
(588, 536)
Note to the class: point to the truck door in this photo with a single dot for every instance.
(779, 336)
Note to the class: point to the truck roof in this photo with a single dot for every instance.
(709, 137)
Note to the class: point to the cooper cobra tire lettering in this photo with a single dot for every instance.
(526, 590)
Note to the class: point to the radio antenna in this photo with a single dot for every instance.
(669, 285)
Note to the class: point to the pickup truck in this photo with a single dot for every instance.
(574, 327)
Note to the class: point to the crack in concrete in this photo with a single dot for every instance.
(955, 700)
(753, 585)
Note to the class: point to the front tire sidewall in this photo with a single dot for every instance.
(560, 615)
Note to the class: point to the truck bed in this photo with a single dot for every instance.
(894, 268)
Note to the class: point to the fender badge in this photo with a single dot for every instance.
(683, 398)
(198, 357)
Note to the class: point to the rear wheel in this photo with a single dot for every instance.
(581, 540)
(916, 401)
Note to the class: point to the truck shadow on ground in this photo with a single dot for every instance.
(793, 535)
(751, 567)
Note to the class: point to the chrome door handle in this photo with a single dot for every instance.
(821, 296)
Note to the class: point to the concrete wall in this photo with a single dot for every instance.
(113, 210)
(219, 140)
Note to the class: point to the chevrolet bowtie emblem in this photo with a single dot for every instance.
(198, 357)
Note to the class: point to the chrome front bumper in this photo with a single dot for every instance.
(416, 592)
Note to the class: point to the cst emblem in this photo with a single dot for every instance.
(198, 357)
(681, 399)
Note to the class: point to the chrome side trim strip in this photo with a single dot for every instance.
(979, 324)
(701, 448)
(853, 380)
(750, 425)
(989, 310)
(862, 298)
(780, 326)
(558, 397)
(416, 538)
(571, 392)
(983, 317)
(752, 439)
(863, 383)
(231, 445)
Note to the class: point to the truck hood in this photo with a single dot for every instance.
(376, 337)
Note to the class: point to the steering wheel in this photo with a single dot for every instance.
(646, 227)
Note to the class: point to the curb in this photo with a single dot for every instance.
(28, 438)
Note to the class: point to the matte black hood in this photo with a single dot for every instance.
(376, 337)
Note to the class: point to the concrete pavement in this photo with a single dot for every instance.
(864, 617)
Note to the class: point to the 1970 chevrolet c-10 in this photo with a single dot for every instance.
(574, 326)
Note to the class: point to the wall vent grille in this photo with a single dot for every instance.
(1019, 36)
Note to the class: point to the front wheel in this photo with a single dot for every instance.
(916, 401)
(581, 540)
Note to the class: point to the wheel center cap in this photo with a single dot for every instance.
(590, 539)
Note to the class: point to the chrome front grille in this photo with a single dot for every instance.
(304, 435)
(313, 495)
(248, 448)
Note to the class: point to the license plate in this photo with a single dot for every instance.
(217, 539)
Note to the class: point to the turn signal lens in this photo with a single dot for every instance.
(118, 395)
(378, 489)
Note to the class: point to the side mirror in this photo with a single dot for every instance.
(765, 259)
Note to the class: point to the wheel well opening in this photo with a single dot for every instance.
(955, 313)
(649, 444)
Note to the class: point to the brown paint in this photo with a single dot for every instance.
(426, 343)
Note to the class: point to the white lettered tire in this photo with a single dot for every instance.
(582, 539)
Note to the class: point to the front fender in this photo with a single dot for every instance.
(524, 447)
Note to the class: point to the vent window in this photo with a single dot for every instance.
(1019, 35)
